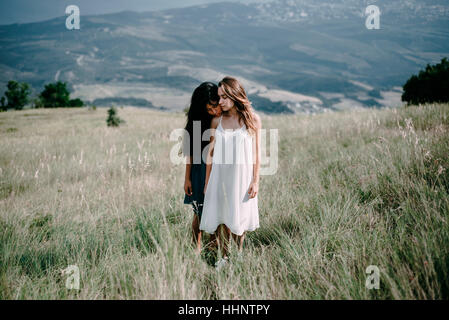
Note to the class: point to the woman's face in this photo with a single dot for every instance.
(225, 102)
(213, 109)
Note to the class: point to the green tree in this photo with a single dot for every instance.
(76, 103)
(430, 85)
(17, 95)
(55, 95)
(37, 103)
(3, 106)
(113, 120)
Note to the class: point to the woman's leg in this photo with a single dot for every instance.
(224, 237)
(196, 232)
(213, 242)
(239, 240)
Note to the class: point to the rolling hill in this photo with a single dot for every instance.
(292, 56)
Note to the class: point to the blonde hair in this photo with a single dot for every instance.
(235, 91)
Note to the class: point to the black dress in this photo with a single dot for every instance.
(198, 179)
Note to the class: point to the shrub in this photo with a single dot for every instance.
(37, 103)
(56, 95)
(76, 103)
(430, 85)
(17, 95)
(2, 104)
(113, 120)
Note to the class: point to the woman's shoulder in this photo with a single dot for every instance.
(215, 121)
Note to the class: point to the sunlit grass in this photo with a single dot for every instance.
(352, 189)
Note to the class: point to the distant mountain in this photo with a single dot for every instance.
(292, 56)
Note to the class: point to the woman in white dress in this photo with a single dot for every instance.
(232, 168)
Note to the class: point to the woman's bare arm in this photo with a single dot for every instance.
(187, 180)
(210, 152)
(254, 187)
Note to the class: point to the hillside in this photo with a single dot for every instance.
(352, 189)
(293, 56)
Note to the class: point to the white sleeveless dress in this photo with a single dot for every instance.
(227, 200)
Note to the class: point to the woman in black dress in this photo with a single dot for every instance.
(203, 108)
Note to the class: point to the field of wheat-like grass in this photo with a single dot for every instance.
(353, 189)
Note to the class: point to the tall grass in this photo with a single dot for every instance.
(353, 189)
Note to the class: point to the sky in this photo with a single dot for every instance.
(24, 11)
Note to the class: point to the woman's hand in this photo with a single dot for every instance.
(253, 189)
(188, 187)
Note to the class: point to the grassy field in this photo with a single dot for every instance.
(353, 189)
